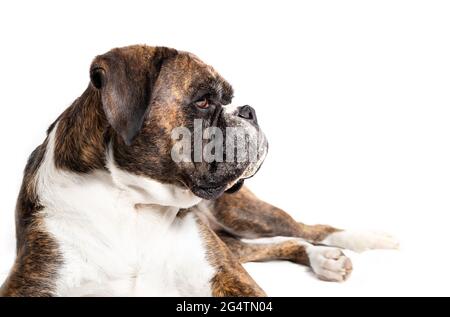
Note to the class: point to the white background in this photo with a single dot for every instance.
(353, 95)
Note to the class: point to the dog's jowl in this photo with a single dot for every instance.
(114, 203)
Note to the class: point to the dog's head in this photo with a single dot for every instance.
(173, 120)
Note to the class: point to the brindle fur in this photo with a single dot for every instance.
(146, 75)
(35, 268)
(83, 118)
(255, 252)
(245, 216)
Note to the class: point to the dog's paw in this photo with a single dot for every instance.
(360, 241)
(329, 264)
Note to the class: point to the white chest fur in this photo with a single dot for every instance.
(112, 246)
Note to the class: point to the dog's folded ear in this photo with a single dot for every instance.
(125, 78)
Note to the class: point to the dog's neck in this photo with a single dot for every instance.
(82, 134)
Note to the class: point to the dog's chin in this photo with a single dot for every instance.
(208, 192)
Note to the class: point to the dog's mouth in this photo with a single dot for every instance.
(208, 191)
(211, 191)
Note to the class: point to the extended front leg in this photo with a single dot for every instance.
(230, 278)
(244, 215)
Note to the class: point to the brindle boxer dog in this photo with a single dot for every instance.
(105, 210)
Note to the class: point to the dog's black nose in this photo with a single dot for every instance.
(247, 113)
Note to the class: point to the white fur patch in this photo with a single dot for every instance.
(116, 238)
(329, 264)
(148, 191)
(359, 241)
(231, 109)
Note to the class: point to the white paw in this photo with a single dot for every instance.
(329, 264)
(359, 241)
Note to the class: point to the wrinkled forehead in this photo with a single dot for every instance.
(189, 77)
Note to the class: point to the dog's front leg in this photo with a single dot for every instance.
(34, 272)
(233, 282)
(30, 277)
(230, 278)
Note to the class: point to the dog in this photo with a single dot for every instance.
(105, 210)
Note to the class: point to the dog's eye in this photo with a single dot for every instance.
(202, 103)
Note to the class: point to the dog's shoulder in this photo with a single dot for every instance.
(28, 201)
